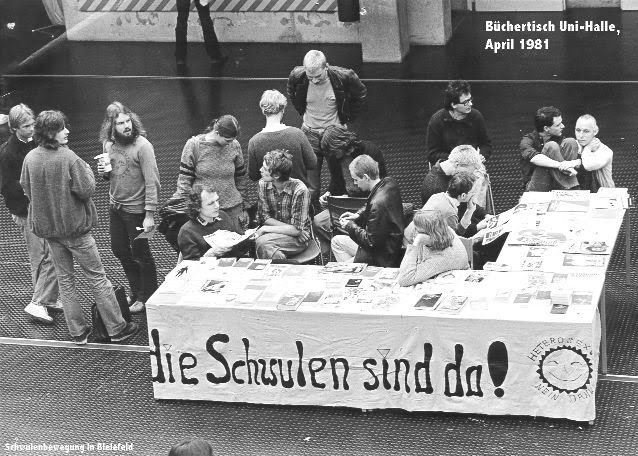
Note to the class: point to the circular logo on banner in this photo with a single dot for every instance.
(565, 369)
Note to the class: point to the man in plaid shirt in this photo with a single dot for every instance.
(282, 210)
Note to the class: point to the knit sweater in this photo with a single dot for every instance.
(135, 183)
(413, 270)
(12, 155)
(290, 139)
(59, 185)
(191, 240)
(206, 163)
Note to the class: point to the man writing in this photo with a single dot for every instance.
(323, 95)
(133, 195)
(376, 230)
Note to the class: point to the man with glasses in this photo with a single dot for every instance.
(323, 95)
(455, 124)
(548, 160)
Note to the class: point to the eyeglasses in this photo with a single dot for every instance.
(467, 102)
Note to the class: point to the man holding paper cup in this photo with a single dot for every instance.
(128, 162)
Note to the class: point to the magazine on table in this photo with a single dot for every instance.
(452, 305)
(343, 268)
(588, 247)
(576, 259)
(535, 237)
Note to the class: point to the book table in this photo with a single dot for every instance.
(466, 341)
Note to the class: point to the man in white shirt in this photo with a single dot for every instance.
(596, 164)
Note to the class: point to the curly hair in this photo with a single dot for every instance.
(453, 92)
(192, 447)
(272, 102)
(279, 162)
(195, 199)
(434, 225)
(107, 130)
(47, 125)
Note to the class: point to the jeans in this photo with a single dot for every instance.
(278, 246)
(43, 276)
(314, 175)
(547, 179)
(135, 255)
(210, 38)
(84, 251)
(322, 226)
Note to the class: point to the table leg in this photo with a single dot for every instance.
(628, 245)
(603, 330)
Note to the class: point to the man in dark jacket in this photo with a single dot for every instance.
(341, 147)
(43, 276)
(323, 95)
(455, 124)
(376, 230)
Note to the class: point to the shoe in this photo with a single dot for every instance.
(137, 307)
(130, 330)
(218, 60)
(38, 313)
(55, 306)
(82, 338)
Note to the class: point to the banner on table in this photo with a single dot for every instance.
(374, 361)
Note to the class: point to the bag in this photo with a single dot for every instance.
(99, 330)
(173, 214)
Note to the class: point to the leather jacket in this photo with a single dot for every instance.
(350, 92)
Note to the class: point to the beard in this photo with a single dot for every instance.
(124, 139)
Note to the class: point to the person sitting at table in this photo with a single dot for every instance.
(461, 189)
(282, 209)
(435, 249)
(192, 447)
(375, 231)
(340, 147)
(205, 219)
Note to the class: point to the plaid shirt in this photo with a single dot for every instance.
(288, 206)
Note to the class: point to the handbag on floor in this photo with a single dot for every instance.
(99, 330)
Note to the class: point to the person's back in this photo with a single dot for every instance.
(58, 209)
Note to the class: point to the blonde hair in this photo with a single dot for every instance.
(314, 60)
(434, 225)
(272, 102)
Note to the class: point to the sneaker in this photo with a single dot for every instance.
(137, 307)
(55, 306)
(38, 313)
(130, 330)
(82, 338)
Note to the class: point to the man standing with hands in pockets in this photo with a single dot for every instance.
(133, 196)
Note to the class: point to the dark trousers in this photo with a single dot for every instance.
(210, 39)
(135, 255)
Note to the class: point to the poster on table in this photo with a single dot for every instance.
(414, 363)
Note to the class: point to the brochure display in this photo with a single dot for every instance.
(501, 341)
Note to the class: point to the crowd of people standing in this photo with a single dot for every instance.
(48, 190)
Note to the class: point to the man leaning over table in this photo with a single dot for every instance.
(596, 157)
(549, 160)
(375, 232)
(282, 209)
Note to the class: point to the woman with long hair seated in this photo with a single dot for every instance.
(436, 248)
